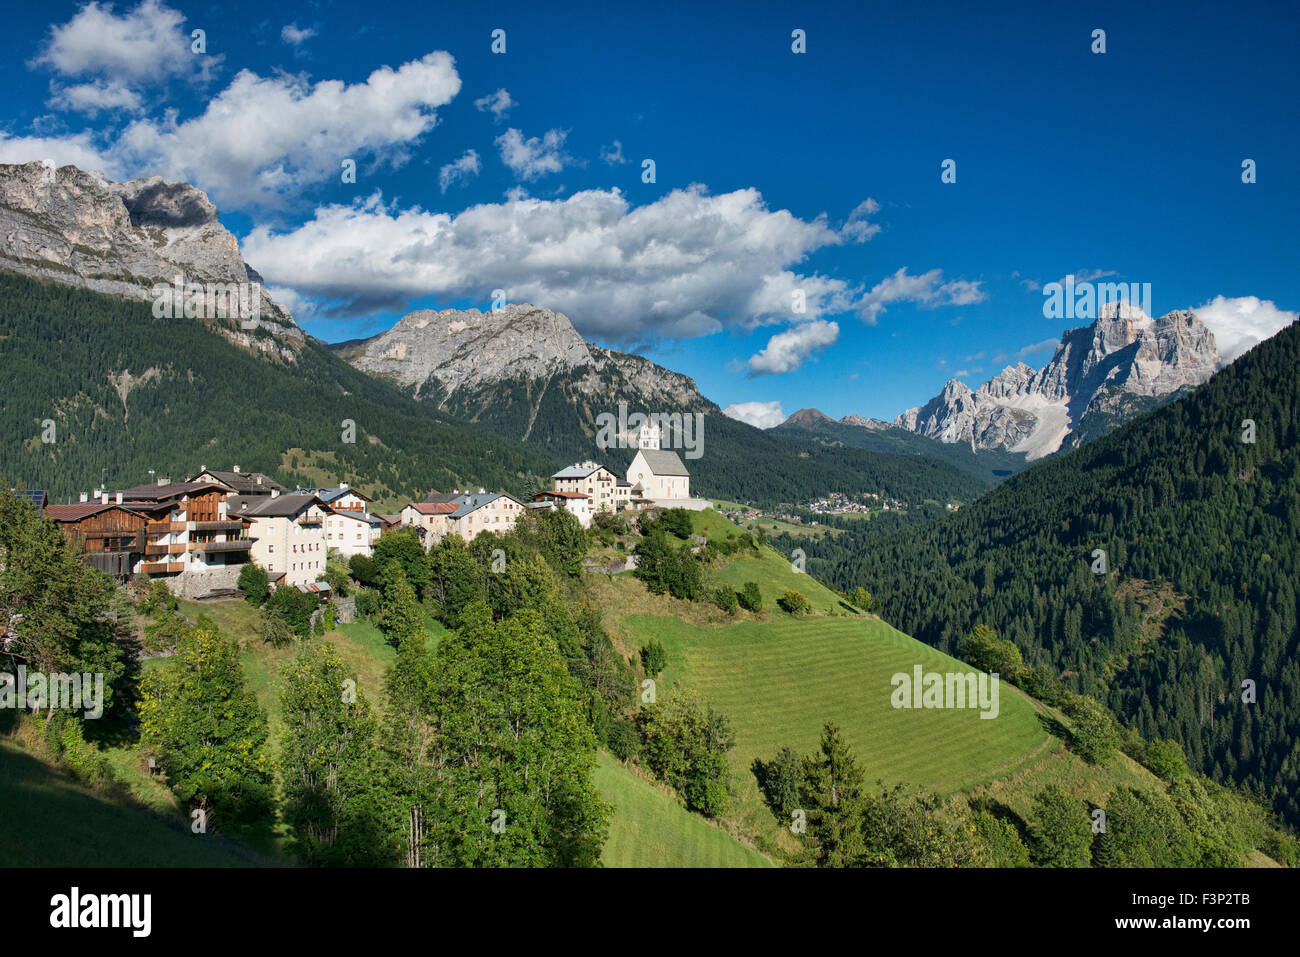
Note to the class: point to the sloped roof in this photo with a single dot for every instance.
(244, 482)
(663, 462)
(472, 503)
(357, 516)
(152, 492)
(75, 513)
(577, 471)
(330, 495)
(282, 506)
(442, 498)
(433, 508)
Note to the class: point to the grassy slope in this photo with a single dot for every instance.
(50, 821)
(778, 679)
(651, 829)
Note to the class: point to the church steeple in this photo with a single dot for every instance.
(649, 436)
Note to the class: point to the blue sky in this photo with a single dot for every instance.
(776, 172)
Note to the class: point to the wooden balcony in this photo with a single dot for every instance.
(163, 528)
(236, 545)
(162, 568)
(176, 549)
(223, 525)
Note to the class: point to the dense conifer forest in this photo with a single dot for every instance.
(194, 398)
(1195, 509)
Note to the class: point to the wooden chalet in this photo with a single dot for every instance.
(114, 535)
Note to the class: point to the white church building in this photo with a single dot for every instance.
(658, 474)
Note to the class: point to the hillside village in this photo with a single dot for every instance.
(198, 534)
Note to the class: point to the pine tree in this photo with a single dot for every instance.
(401, 618)
(833, 800)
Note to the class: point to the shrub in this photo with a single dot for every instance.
(794, 602)
(861, 598)
(780, 780)
(750, 598)
(685, 743)
(622, 740)
(164, 633)
(987, 652)
(654, 657)
(665, 567)
(1095, 736)
(367, 602)
(725, 598)
(158, 599)
(254, 583)
(276, 631)
(677, 521)
(296, 607)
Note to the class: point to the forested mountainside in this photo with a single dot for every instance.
(737, 462)
(524, 372)
(126, 393)
(1196, 507)
(988, 465)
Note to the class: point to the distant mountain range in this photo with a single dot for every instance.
(857, 432)
(526, 372)
(1101, 375)
(443, 399)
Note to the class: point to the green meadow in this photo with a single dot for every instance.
(649, 828)
(779, 681)
(51, 821)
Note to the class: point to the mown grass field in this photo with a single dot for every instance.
(650, 829)
(780, 680)
(48, 820)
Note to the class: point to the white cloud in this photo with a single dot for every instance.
(263, 138)
(927, 289)
(1089, 275)
(687, 264)
(498, 104)
(857, 229)
(787, 350)
(613, 154)
(294, 36)
(462, 169)
(1044, 346)
(91, 98)
(1242, 323)
(761, 415)
(534, 157)
(75, 150)
(144, 47)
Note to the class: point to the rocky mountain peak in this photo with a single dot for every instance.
(864, 422)
(1124, 351)
(455, 352)
(75, 227)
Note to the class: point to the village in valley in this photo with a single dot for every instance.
(197, 535)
